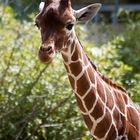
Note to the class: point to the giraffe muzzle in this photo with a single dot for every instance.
(46, 54)
(48, 50)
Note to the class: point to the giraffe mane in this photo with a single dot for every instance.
(112, 84)
(108, 81)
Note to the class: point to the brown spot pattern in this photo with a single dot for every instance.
(90, 99)
(76, 68)
(80, 104)
(119, 101)
(103, 126)
(100, 89)
(72, 81)
(83, 84)
(98, 110)
(110, 102)
(133, 118)
(88, 121)
(112, 134)
(91, 74)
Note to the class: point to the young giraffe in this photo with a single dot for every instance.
(107, 110)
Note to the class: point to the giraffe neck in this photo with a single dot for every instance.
(104, 105)
(78, 65)
(84, 81)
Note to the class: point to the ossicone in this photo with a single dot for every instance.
(41, 6)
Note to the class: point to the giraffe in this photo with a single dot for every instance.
(107, 110)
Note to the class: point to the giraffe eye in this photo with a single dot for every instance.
(69, 26)
(37, 25)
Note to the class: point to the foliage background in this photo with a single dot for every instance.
(36, 101)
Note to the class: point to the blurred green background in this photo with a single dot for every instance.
(36, 101)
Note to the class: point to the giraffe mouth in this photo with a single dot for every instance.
(46, 55)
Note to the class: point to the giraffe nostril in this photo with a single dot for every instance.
(48, 49)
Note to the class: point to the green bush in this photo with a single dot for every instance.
(36, 101)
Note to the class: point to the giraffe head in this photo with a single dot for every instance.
(56, 22)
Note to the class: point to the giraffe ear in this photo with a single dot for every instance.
(87, 13)
(41, 6)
